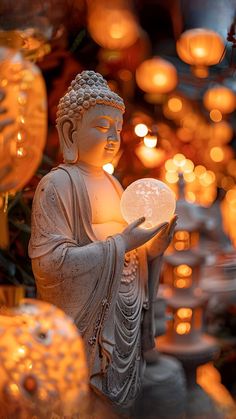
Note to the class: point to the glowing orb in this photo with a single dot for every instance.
(42, 363)
(150, 198)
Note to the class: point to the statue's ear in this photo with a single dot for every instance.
(68, 140)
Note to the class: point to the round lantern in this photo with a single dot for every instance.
(43, 367)
(150, 198)
(200, 48)
(221, 98)
(156, 76)
(112, 28)
(22, 141)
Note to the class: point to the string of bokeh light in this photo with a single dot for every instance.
(201, 186)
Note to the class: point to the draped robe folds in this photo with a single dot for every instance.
(82, 276)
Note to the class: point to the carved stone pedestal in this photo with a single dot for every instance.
(199, 405)
(163, 394)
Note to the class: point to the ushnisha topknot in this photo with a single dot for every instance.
(86, 90)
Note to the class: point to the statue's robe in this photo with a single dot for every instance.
(83, 276)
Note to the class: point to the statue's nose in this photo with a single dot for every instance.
(113, 138)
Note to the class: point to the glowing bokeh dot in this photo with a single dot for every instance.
(150, 198)
(215, 115)
(141, 130)
(109, 168)
(150, 141)
(175, 104)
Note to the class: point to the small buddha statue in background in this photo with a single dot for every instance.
(86, 259)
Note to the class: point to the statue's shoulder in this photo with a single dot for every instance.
(58, 178)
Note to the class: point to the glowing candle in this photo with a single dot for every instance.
(150, 198)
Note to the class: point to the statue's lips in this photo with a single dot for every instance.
(109, 148)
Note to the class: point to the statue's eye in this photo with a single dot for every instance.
(102, 128)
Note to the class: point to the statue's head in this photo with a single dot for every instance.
(84, 96)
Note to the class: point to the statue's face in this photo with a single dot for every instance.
(99, 135)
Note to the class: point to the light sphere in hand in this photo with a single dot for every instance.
(150, 198)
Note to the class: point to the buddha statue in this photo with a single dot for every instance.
(85, 258)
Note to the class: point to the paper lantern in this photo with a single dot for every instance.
(200, 48)
(23, 141)
(112, 28)
(221, 98)
(43, 367)
(156, 76)
(150, 198)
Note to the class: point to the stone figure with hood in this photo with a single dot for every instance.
(85, 258)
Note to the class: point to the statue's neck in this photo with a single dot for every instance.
(89, 170)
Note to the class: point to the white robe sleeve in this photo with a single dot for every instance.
(80, 277)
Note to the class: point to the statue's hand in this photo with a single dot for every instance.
(134, 236)
(161, 241)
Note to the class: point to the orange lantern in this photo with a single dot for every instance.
(43, 364)
(200, 48)
(112, 28)
(221, 98)
(156, 76)
(26, 104)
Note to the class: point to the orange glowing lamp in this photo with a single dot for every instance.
(43, 366)
(22, 143)
(156, 76)
(183, 328)
(182, 276)
(112, 28)
(220, 98)
(200, 48)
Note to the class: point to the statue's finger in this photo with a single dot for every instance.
(161, 228)
(172, 229)
(137, 222)
(173, 223)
